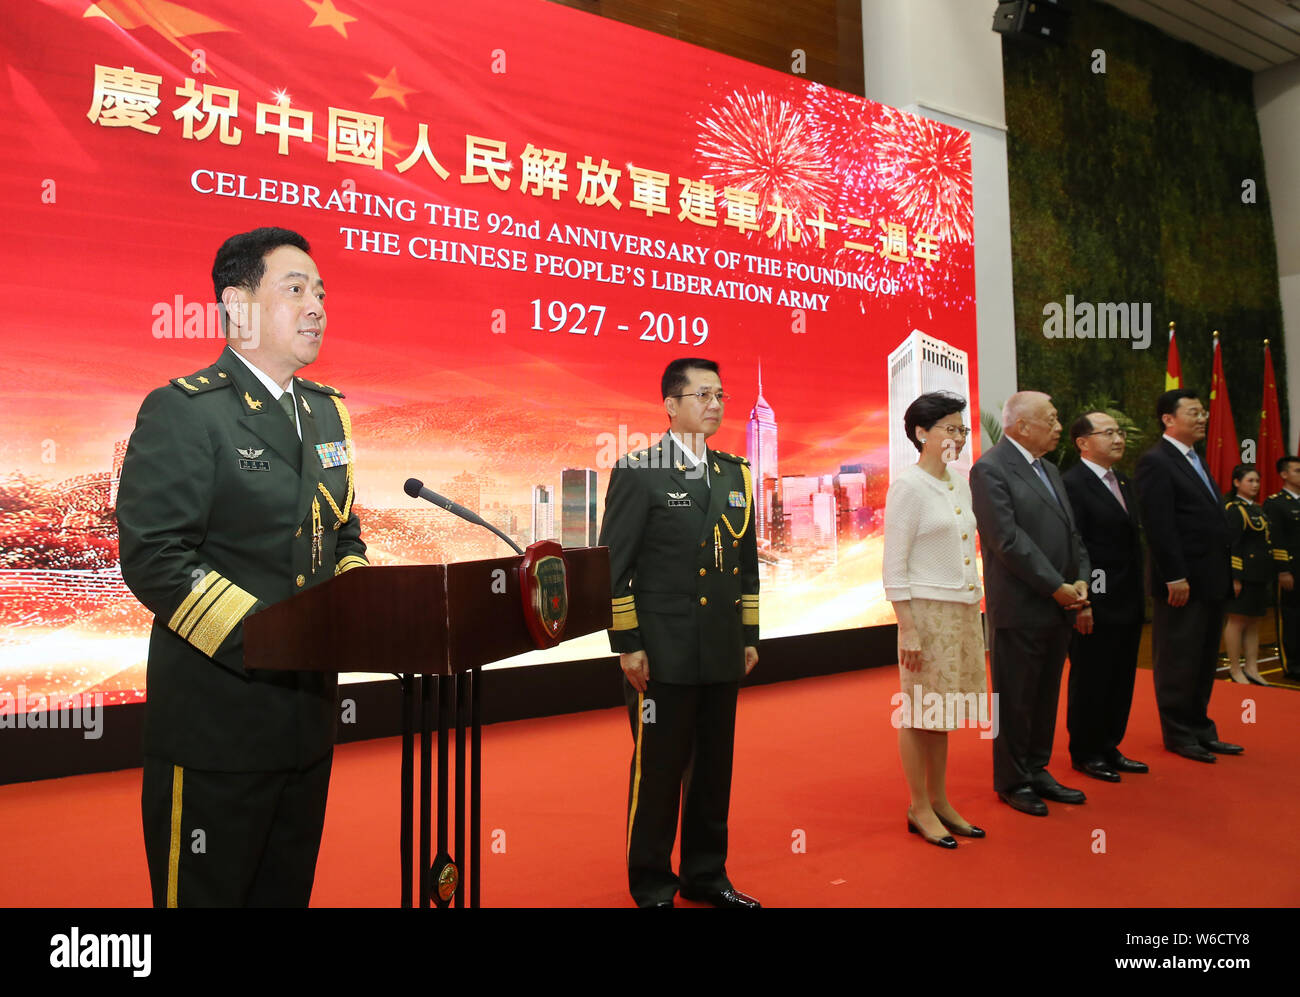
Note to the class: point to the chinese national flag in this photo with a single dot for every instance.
(1271, 447)
(1173, 369)
(1221, 448)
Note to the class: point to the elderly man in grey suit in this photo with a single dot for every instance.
(1035, 571)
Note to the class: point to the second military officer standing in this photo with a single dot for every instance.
(679, 525)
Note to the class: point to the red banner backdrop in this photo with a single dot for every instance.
(521, 212)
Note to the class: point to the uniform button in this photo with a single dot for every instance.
(735, 543)
(701, 543)
(701, 572)
(703, 601)
(737, 603)
(963, 536)
(299, 533)
(735, 571)
(968, 560)
(970, 588)
(950, 488)
(301, 581)
(959, 512)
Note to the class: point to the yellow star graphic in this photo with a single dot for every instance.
(390, 86)
(327, 15)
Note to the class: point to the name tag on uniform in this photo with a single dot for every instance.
(736, 500)
(248, 460)
(679, 500)
(332, 454)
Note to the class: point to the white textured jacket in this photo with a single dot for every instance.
(930, 539)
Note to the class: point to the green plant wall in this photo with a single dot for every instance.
(1127, 186)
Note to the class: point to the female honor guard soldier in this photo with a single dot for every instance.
(1252, 573)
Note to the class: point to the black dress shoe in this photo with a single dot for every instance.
(1121, 764)
(947, 841)
(1254, 681)
(1098, 770)
(728, 897)
(1223, 748)
(969, 831)
(663, 903)
(1025, 800)
(1061, 794)
(1193, 751)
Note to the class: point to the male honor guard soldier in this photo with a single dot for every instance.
(1283, 511)
(679, 525)
(236, 492)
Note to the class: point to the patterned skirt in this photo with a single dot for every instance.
(952, 665)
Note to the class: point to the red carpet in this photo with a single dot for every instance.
(817, 756)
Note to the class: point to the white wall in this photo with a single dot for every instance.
(941, 59)
(1277, 102)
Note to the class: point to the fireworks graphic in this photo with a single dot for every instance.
(761, 143)
(925, 166)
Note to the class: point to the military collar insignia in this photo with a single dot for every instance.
(306, 407)
(252, 402)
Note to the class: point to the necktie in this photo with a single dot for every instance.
(286, 403)
(1113, 484)
(1042, 474)
(1200, 470)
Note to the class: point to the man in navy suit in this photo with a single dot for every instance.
(1034, 570)
(1187, 537)
(1104, 646)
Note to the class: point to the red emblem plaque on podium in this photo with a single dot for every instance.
(544, 587)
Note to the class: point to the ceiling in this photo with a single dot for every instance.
(1254, 34)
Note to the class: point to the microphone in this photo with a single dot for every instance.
(415, 488)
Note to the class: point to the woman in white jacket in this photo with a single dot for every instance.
(930, 577)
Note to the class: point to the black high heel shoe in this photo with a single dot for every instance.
(1249, 678)
(947, 841)
(969, 831)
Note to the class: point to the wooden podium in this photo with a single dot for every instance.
(434, 625)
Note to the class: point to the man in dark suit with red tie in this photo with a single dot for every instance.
(1187, 537)
(1104, 646)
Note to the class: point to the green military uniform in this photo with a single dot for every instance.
(684, 572)
(1251, 556)
(222, 510)
(1283, 511)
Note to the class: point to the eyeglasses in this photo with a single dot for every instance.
(705, 396)
(956, 430)
(1110, 434)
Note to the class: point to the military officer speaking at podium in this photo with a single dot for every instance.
(679, 525)
(236, 492)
